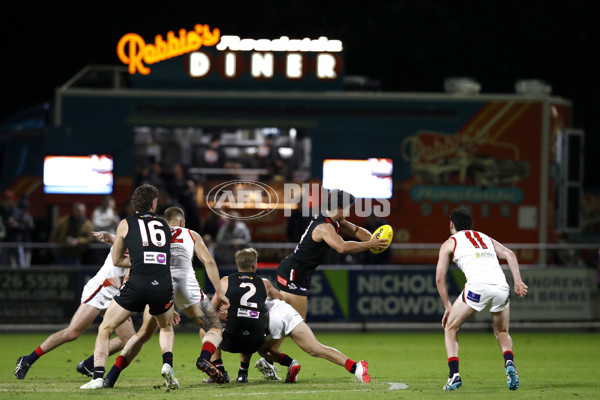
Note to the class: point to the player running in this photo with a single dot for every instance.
(476, 254)
(95, 298)
(148, 239)
(189, 298)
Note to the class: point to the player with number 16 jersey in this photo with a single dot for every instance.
(148, 240)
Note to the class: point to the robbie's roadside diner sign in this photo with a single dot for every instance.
(209, 56)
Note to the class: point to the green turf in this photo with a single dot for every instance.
(551, 366)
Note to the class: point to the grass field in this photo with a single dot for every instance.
(551, 366)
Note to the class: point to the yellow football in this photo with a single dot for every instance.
(383, 232)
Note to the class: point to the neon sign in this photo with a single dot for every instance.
(139, 52)
(233, 57)
(322, 44)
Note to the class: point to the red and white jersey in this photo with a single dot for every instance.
(474, 254)
(109, 275)
(182, 250)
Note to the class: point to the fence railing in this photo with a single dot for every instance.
(529, 254)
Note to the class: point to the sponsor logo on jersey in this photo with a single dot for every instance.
(245, 313)
(303, 289)
(155, 257)
(154, 282)
(473, 296)
(281, 280)
(292, 286)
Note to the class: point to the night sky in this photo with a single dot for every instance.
(409, 46)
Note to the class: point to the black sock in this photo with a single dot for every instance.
(453, 365)
(285, 360)
(98, 372)
(219, 364)
(508, 356)
(89, 363)
(33, 357)
(113, 374)
(205, 355)
(244, 366)
(168, 358)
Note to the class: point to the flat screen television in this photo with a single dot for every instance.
(370, 178)
(91, 174)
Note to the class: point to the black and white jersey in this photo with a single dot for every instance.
(148, 241)
(247, 295)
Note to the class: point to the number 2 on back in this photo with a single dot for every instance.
(251, 291)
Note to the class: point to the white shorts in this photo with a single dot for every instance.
(480, 296)
(186, 290)
(97, 295)
(283, 318)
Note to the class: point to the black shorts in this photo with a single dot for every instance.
(293, 278)
(133, 298)
(240, 340)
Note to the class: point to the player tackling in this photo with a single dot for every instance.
(477, 254)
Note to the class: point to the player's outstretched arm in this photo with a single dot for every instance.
(271, 291)
(440, 276)
(221, 312)
(104, 237)
(329, 235)
(212, 270)
(355, 231)
(119, 247)
(504, 253)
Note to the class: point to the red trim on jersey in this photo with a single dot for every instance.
(336, 225)
(106, 283)
(454, 249)
(93, 294)
(463, 297)
(192, 236)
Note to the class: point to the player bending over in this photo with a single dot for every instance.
(244, 320)
(476, 254)
(284, 320)
(323, 232)
(95, 298)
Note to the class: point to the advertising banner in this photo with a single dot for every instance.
(358, 294)
(39, 296)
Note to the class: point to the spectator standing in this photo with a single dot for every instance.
(232, 236)
(73, 234)
(19, 229)
(105, 217)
